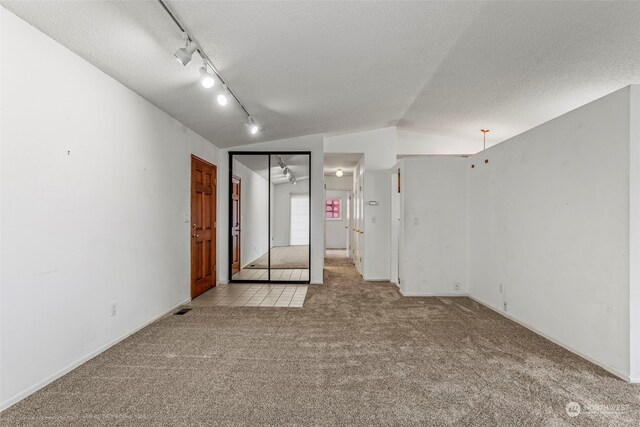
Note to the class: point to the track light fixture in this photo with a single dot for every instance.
(184, 54)
(207, 80)
(208, 72)
(223, 96)
(253, 127)
(286, 171)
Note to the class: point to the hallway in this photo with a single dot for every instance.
(356, 354)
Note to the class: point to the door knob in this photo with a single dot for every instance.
(194, 235)
(195, 225)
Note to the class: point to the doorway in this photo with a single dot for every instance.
(269, 217)
(203, 226)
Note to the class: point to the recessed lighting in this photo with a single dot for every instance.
(339, 173)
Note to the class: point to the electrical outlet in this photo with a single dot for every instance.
(501, 288)
(456, 286)
(505, 306)
(373, 219)
(113, 309)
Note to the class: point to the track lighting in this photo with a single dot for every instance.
(286, 171)
(206, 78)
(252, 126)
(184, 54)
(223, 98)
(339, 173)
(208, 72)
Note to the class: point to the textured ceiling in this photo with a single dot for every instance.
(447, 68)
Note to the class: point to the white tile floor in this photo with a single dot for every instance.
(253, 295)
(287, 274)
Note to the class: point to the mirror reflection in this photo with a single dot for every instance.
(270, 217)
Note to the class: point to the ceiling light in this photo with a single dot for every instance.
(339, 173)
(184, 54)
(252, 126)
(206, 78)
(223, 97)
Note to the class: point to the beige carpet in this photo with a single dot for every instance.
(284, 257)
(357, 354)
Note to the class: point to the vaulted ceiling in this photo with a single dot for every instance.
(445, 68)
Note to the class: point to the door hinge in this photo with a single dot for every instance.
(215, 181)
(215, 224)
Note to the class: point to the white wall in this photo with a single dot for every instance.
(282, 210)
(549, 221)
(378, 146)
(411, 143)
(312, 143)
(95, 209)
(336, 231)
(254, 217)
(332, 182)
(634, 233)
(434, 226)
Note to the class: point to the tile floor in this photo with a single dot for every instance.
(276, 274)
(253, 295)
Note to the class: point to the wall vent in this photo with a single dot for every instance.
(182, 311)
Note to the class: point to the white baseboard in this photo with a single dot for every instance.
(431, 294)
(23, 394)
(366, 279)
(610, 369)
(315, 283)
(634, 380)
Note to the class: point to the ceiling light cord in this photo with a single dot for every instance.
(190, 39)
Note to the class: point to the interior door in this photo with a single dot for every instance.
(203, 224)
(235, 225)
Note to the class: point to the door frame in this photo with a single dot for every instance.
(267, 153)
(237, 178)
(214, 228)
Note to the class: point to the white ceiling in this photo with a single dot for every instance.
(447, 68)
(345, 161)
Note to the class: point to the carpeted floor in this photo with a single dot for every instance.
(296, 256)
(356, 354)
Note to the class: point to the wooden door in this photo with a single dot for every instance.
(235, 225)
(203, 226)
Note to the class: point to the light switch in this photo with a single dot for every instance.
(416, 220)
(373, 219)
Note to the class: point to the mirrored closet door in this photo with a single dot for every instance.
(269, 217)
